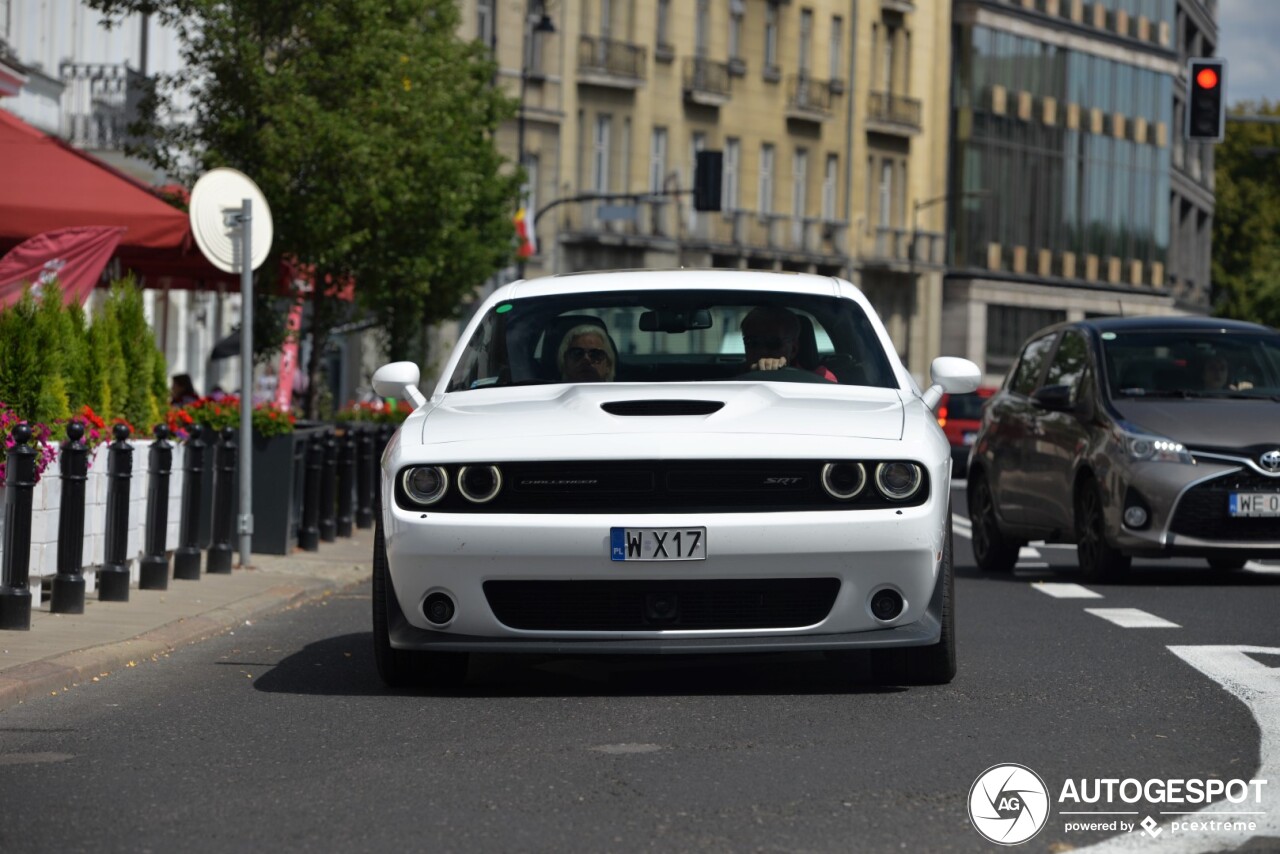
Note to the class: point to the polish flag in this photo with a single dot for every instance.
(527, 245)
(74, 257)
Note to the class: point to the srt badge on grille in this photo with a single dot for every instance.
(780, 481)
(1271, 461)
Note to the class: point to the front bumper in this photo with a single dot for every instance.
(1187, 505)
(866, 550)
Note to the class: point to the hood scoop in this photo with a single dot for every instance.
(662, 407)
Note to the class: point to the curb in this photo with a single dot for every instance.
(67, 670)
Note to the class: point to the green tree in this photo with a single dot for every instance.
(140, 406)
(369, 127)
(29, 379)
(110, 374)
(1246, 223)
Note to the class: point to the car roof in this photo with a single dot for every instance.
(1189, 323)
(680, 279)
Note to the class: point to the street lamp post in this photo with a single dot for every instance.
(534, 22)
(916, 207)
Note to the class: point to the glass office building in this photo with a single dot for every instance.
(1068, 176)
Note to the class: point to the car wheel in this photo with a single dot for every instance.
(402, 668)
(991, 549)
(1098, 559)
(925, 665)
(1227, 564)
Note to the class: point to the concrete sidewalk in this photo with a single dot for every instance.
(62, 650)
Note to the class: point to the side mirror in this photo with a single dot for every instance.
(950, 375)
(1055, 398)
(399, 379)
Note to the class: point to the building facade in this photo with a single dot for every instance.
(831, 117)
(1074, 192)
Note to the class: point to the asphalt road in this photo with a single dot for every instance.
(280, 737)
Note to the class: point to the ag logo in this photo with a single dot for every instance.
(1008, 804)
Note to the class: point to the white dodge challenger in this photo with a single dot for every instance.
(668, 462)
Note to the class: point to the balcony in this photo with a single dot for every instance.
(893, 114)
(808, 100)
(891, 248)
(706, 81)
(99, 103)
(902, 7)
(614, 64)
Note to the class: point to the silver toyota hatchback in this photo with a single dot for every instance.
(1133, 437)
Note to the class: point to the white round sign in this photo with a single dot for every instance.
(215, 199)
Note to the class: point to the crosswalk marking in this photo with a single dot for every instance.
(1062, 590)
(1132, 618)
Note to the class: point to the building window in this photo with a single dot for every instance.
(606, 19)
(736, 10)
(484, 21)
(771, 36)
(884, 198)
(836, 48)
(806, 40)
(600, 154)
(830, 177)
(886, 70)
(696, 143)
(664, 23)
(658, 160)
(765, 189)
(1007, 327)
(729, 181)
(701, 25)
(800, 183)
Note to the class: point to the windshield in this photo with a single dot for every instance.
(1189, 363)
(673, 337)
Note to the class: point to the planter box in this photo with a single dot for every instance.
(279, 484)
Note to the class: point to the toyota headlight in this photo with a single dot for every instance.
(1148, 448)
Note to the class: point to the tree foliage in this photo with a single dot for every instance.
(1246, 225)
(369, 127)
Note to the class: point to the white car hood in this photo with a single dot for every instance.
(524, 415)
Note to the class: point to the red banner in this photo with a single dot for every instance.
(75, 257)
(289, 357)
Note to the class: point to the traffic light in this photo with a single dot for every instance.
(707, 171)
(1206, 107)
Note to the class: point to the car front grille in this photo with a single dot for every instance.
(670, 486)
(1203, 511)
(655, 605)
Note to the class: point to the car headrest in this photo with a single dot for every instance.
(808, 344)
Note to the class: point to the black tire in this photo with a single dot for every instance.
(401, 668)
(925, 665)
(1097, 558)
(1227, 564)
(992, 550)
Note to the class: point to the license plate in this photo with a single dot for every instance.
(1255, 504)
(658, 543)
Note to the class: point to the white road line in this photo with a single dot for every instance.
(1132, 618)
(1258, 687)
(1060, 590)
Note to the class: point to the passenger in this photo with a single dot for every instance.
(587, 355)
(771, 338)
(1216, 375)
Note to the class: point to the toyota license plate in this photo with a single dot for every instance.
(1255, 504)
(658, 543)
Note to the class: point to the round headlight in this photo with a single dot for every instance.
(898, 481)
(425, 484)
(843, 480)
(479, 484)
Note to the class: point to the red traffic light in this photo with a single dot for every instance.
(1206, 78)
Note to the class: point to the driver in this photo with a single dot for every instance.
(771, 338)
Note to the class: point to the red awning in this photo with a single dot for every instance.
(47, 184)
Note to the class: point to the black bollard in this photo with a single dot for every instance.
(224, 505)
(346, 481)
(328, 489)
(68, 584)
(113, 576)
(186, 557)
(364, 478)
(19, 482)
(309, 533)
(154, 565)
